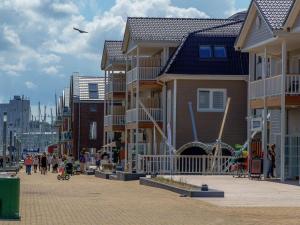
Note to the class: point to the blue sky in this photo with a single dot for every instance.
(39, 49)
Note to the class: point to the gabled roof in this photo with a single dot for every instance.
(186, 58)
(165, 29)
(112, 52)
(275, 12)
(230, 29)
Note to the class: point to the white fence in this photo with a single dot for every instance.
(134, 115)
(273, 86)
(115, 86)
(114, 120)
(183, 164)
(142, 73)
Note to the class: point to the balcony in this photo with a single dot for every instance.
(139, 115)
(114, 120)
(115, 86)
(142, 148)
(115, 110)
(273, 86)
(143, 74)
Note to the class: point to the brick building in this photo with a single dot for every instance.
(87, 113)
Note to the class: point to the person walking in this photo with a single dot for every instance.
(271, 160)
(35, 163)
(49, 159)
(82, 162)
(28, 164)
(54, 163)
(44, 164)
(1, 162)
(39, 158)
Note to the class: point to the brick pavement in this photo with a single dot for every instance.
(89, 200)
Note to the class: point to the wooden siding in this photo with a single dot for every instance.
(297, 22)
(257, 35)
(208, 123)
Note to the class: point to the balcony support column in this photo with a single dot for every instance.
(265, 120)
(137, 101)
(249, 110)
(283, 111)
(126, 108)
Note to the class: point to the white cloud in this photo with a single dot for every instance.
(52, 70)
(30, 85)
(232, 8)
(69, 8)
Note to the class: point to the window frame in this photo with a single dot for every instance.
(218, 46)
(91, 137)
(211, 91)
(211, 52)
(93, 91)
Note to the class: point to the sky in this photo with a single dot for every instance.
(39, 49)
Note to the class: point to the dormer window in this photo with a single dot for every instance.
(220, 52)
(205, 52)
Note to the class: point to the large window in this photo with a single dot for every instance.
(211, 100)
(212, 52)
(93, 91)
(93, 131)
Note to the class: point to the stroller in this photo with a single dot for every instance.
(63, 173)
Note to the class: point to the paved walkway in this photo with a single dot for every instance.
(89, 200)
(242, 192)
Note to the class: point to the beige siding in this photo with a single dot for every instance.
(257, 35)
(297, 23)
(208, 123)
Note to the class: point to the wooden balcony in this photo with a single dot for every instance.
(138, 115)
(145, 75)
(271, 90)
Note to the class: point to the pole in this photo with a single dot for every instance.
(4, 138)
(10, 148)
(78, 140)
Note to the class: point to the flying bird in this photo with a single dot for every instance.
(80, 31)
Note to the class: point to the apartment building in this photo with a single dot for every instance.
(87, 113)
(271, 37)
(151, 47)
(114, 64)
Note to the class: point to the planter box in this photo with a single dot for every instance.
(103, 175)
(211, 193)
(125, 176)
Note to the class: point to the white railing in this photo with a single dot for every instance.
(183, 164)
(292, 84)
(142, 73)
(138, 148)
(115, 86)
(135, 115)
(273, 86)
(114, 120)
(256, 89)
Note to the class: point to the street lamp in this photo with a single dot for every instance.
(4, 138)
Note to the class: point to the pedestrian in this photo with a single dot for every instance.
(44, 164)
(82, 162)
(39, 158)
(98, 161)
(49, 159)
(69, 164)
(271, 160)
(54, 163)
(28, 164)
(1, 162)
(35, 163)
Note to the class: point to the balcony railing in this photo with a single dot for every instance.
(140, 115)
(115, 110)
(138, 148)
(273, 86)
(118, 120)
(115, 86)
(143, 73)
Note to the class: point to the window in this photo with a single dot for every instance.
(93, 91)
(93, 131)
(205, 52)
(211, 100)
(93, 108)
(220, 52)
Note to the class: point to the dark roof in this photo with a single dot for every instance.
(275, 12)
(113, 51)
(186, 58)
(168, 29)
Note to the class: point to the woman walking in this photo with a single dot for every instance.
(44, 164)
(54, 163)
(28, 164)
(35, 163)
